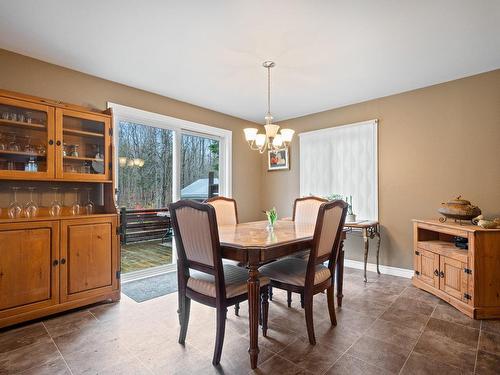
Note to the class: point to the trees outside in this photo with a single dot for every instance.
(150, 185)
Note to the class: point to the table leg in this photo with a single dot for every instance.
(377, 233)
(340, 274)
(365, 239)
(253, 313)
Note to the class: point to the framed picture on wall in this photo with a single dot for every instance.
(277, 160)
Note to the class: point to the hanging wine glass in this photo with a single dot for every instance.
(31, 208)
(89, 205)
(56, 205)
(76, 208)
(15, 209)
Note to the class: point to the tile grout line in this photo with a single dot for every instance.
(364, 332)
(52, 339)
(477, 347)
(417, 340)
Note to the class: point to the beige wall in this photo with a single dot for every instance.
(434, 143)
(26, 75)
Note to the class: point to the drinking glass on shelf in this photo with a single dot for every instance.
(76, 208)
(15, 209)
(5, 115)
(85, 168)
(56, 205)
(89, 205)
(41, 150)
(3, 142)
(13, 145)
(31, 208)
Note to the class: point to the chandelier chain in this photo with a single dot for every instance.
(269, 90)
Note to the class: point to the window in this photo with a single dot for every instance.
(342, 160)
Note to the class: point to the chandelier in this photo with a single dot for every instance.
(271, 140)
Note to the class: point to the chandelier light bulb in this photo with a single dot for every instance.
(287, 134)
(250, 134)
(260, 140)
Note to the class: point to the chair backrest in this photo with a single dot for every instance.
(225, 210)
(305, 210)
(327, 235)
(196, 235)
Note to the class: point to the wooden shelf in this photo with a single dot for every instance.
(444, 248)
(20, 153)
(4, 219)
(83, 133)
(78, 158)
(23, 124)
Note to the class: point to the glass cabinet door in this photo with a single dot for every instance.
(82, 145)
(26, 140)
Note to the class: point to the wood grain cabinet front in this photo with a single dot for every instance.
(29, 266)
(459, 263)
(89, 257)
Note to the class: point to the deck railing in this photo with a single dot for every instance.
(145, 224)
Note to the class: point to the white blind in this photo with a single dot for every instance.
(342, 160)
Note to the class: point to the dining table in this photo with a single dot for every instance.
(255, 244)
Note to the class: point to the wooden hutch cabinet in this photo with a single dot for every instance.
(59, 244)
(467, 278)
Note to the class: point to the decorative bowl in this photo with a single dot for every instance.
(458, 209)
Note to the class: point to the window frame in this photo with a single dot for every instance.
(179, 127)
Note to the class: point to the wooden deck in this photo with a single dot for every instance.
(142, 255)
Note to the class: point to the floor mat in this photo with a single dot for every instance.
(151, 287)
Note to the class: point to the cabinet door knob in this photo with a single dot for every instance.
(55, 262)
(51, 142)
(63, 261)
(441, 274)
(436, 273)
(58, 143)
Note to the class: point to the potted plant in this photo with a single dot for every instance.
(272, 217)
(351, 217)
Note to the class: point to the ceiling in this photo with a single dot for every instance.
(209, 53)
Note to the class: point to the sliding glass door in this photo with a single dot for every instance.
(145, 186)
(159, 159)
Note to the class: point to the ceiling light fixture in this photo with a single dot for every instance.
(271, 140)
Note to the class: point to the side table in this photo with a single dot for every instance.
(369, 230)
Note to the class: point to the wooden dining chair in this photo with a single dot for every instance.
(202, 276)
(309, 277)
(305, 211)
(225, 210)
(227, 214)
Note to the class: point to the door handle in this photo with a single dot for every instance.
(51, 142)
(63, 261)
(55, 262)
(441, 274)
(436, 273)
(58, 143)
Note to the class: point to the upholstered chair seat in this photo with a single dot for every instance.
(235, 278)
(293, 271)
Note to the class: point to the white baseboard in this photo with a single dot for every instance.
(386, 270)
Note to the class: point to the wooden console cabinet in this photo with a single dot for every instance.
(468, 279)
(53, 151)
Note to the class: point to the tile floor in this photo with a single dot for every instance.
(385, 326)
